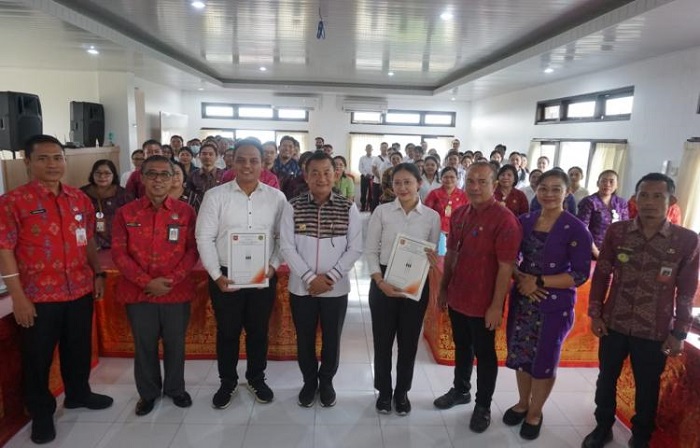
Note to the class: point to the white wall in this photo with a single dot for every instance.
(56, 89)
(663, 117)
(328, 121)
(158, 98)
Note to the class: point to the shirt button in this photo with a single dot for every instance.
(565, 313)
(552, 265)
(554, 297)
(567, 226)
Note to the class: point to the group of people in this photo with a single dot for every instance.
(497, 247)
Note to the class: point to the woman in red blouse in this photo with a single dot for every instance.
(446, 199)
(506, 193)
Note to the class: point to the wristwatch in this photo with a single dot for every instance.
(681, 336)
(102, 274)
(539, 281)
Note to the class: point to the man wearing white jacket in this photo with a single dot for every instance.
(320, 238)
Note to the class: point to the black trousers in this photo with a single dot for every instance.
(307, 312)
(365, 198)
(376, 193)
(400, 319)
(68, 324)
(247, 309)
(149, 323)
(472, 338)
(648, 364)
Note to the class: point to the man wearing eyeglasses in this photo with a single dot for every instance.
(134, 185)
(153, 246)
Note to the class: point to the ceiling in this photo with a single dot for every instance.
(374, 47)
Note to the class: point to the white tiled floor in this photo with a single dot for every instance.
(353, 422)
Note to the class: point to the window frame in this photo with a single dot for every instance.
(236, 115)
(421, 123)
(599, 114)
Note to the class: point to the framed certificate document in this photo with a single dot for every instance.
(408, 265)
(247, 259)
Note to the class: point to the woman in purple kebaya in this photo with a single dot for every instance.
(555, 258)
(602, 208)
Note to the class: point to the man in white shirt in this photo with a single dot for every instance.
(320, 238)
(366, 175)
(245, 205)
(380, 163)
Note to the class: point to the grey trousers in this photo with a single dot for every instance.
(149, 323)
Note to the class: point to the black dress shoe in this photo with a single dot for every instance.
(144, 407)
(93, 401)
(531, 432)
(43, 430)
(183, 400)
(513, 417)
(481, 419)
(384, 403)
(598, 438)
(402, 404)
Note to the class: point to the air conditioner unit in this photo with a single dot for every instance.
(306, 102)
(364, 105)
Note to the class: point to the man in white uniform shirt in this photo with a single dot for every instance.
(365, 168)
(320, 238)
(246, 205)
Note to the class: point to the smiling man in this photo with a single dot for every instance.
(321, 238)
(48, 260)
(245, 205)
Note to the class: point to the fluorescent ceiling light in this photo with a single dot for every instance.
(446, 16)
(199, 5)
(93, 51)
(549, 70)
(263, 69)
(390, 73)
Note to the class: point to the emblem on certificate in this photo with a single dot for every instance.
(408, 265)
(248, 259)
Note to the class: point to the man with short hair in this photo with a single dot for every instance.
(176, 142)
(228, 159)
(328, 149)
(481, 251)
(209, 175)
(137, 158)
(417, 154)
(320, 239)
(285, 167)
(365, 168)
(154, 248)
(516, 160)
(455, 145)
(501, 148)
(410, 148)
(245, 205)
(134, 185)
(48, 260)
(318, 141)
(379, 165)
(269, 155)
(640, 306)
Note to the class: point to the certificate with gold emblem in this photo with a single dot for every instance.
(408, 265)
(247, 259)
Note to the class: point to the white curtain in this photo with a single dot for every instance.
(608, 156)
(688, 188)
(358, 142)
(534, 153)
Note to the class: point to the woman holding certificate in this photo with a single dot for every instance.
(393, 313)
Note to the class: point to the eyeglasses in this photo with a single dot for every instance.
(103, 173)
(405, 183)
(162, 175)
(138, 159)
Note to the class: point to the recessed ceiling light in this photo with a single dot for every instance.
(93, 51)
(453, 98)
(549, 70)
(446, 16)
(390, 73)
(263, 69)
(200, 89)
(199, 5)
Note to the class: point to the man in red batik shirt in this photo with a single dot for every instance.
(482, 246)
(48, 260)
(153, 246)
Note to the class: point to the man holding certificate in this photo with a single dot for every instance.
(482, 246)
(397, 312)
(237, 231)
(320, 238)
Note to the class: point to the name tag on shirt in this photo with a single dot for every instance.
(173, 233)
(81, 236)
(665, 274)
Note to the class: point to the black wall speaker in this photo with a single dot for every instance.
(20, 118)
(87, 123)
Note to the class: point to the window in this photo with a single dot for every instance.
(405, 118)
(262, 135)
(401, 118)
(599, 106)
(252, 112)
(358, 142)
(585, 109)
(218, 112)
(574, 154)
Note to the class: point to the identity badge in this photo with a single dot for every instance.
(173, 233)
(665, 274)
(81, 236)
